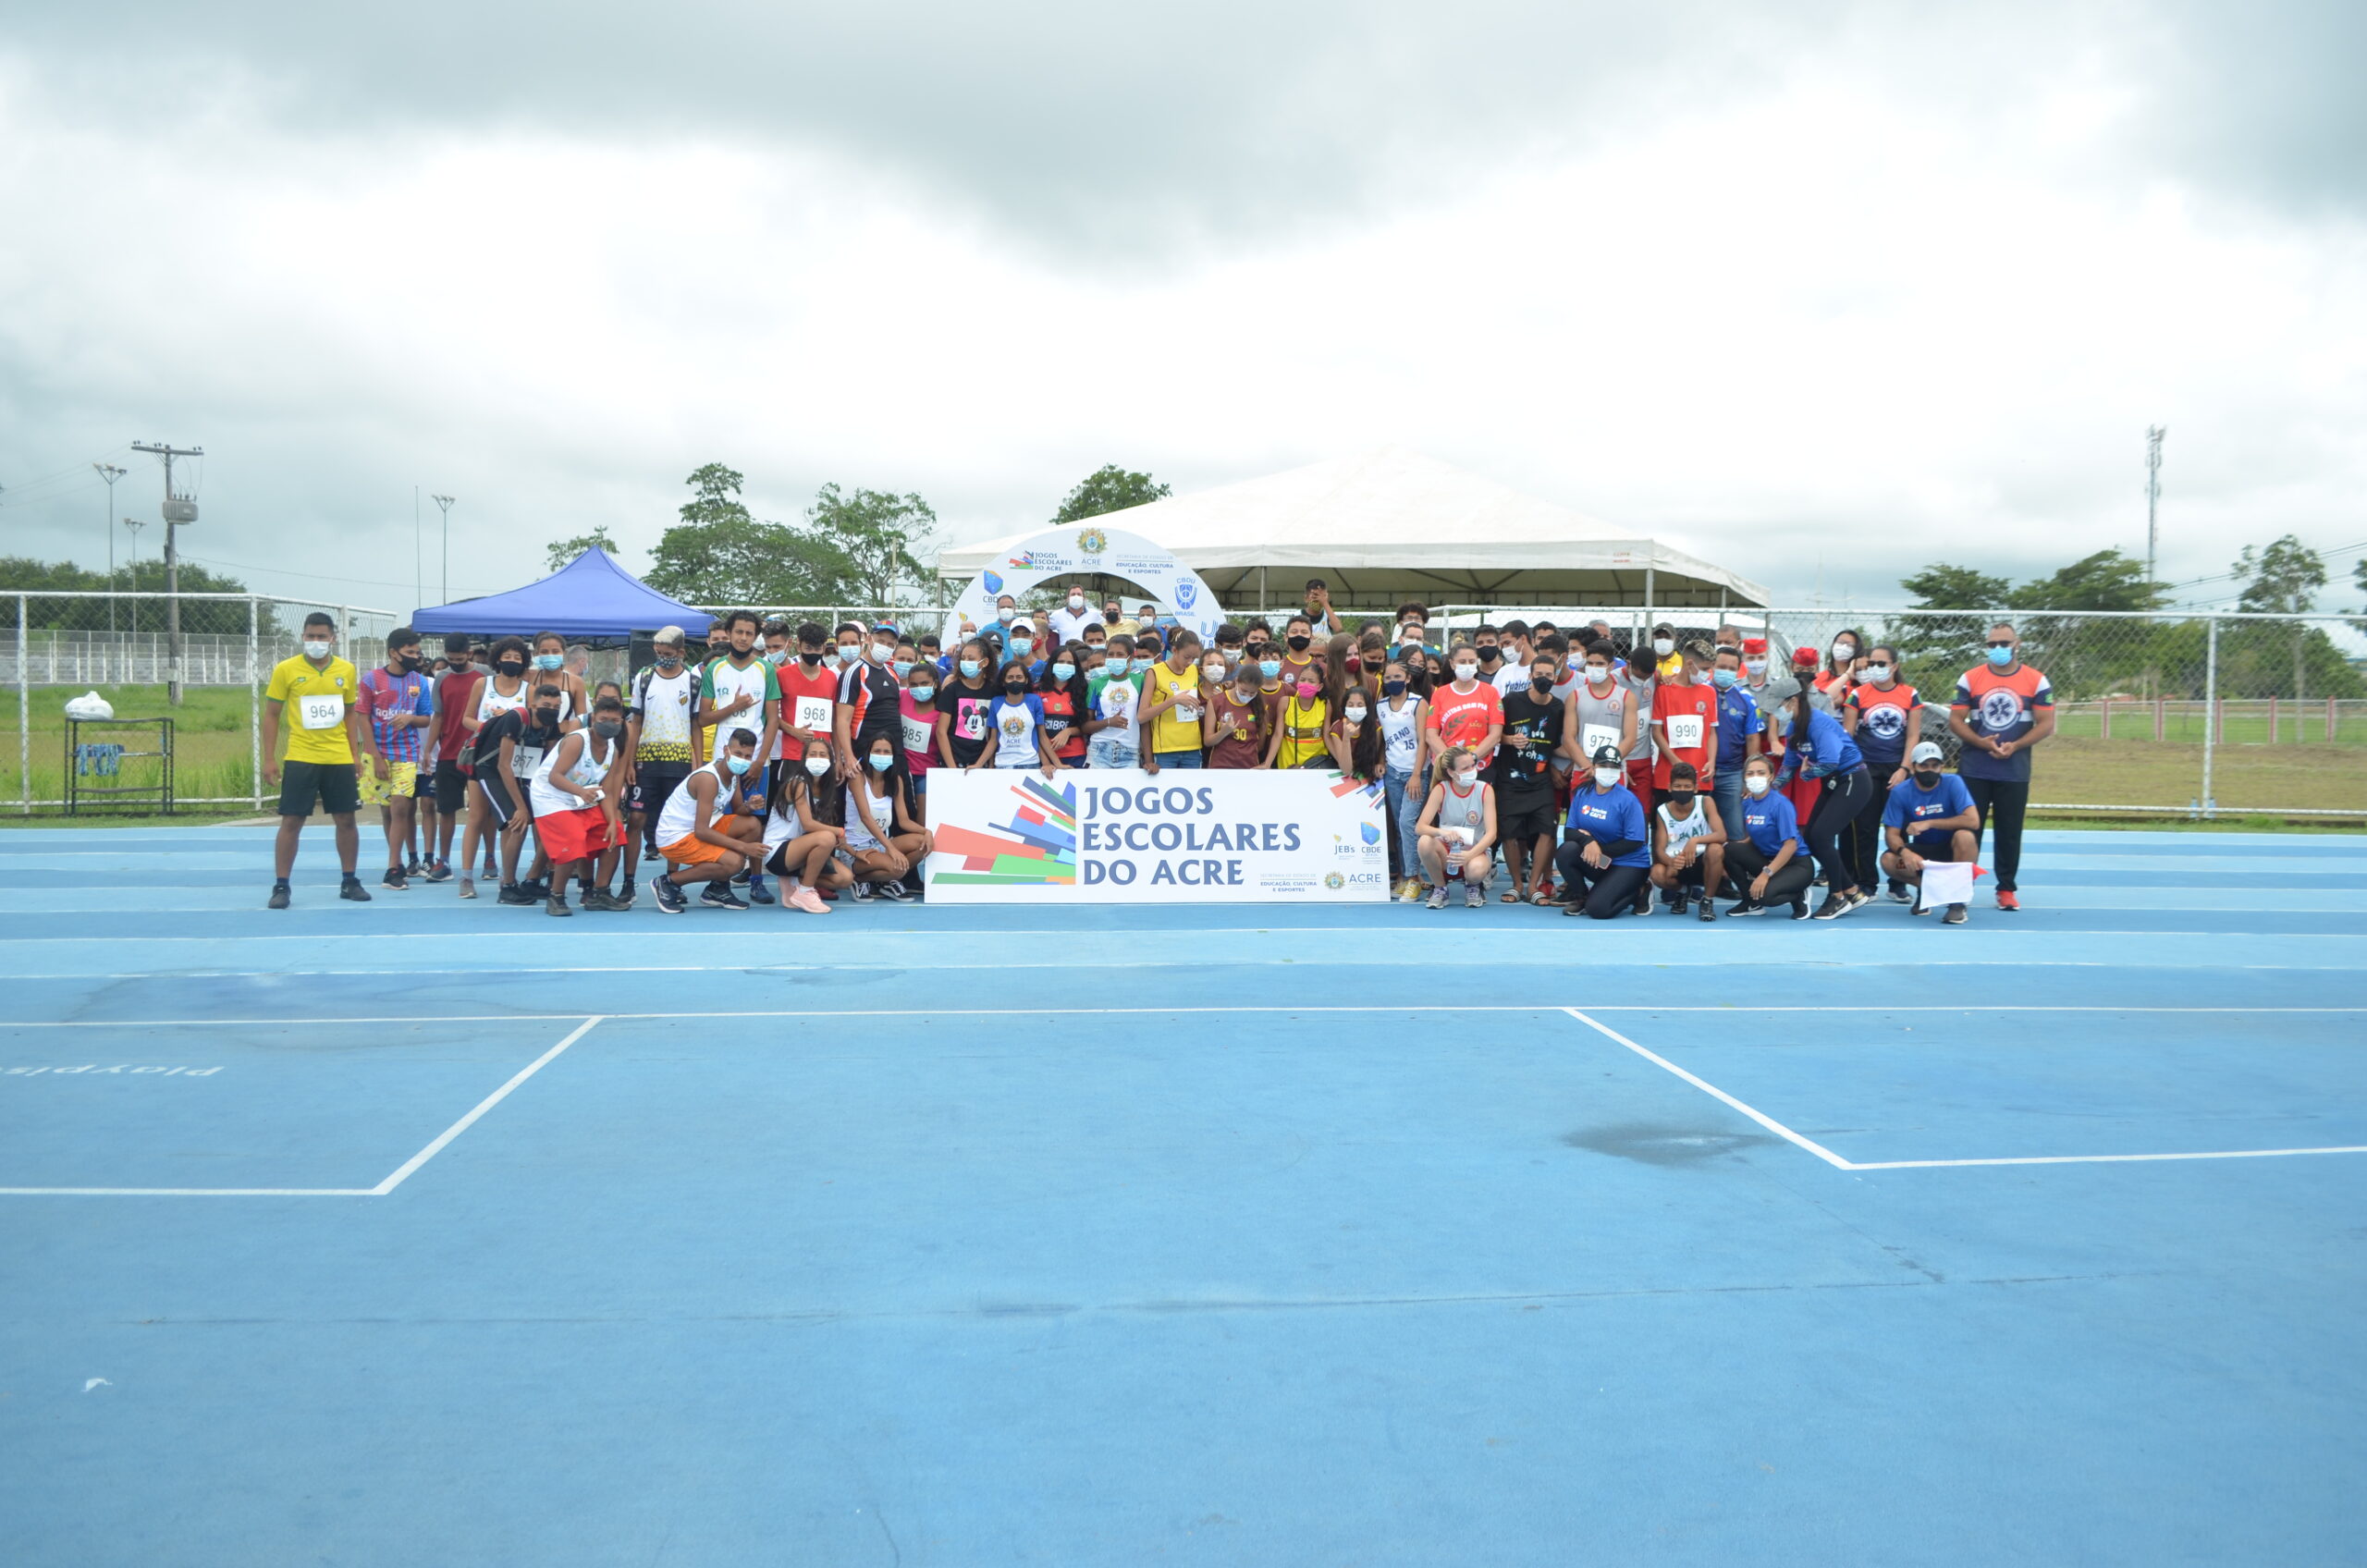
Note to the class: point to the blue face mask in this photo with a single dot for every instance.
(2001, 657)
(1064, 671)
(1724, 679)
(924, 693)
(739, 765)
(881, 764)
(1269, 668)
(1143, 666)
(970, 668)
(903, 667)
(549, 661)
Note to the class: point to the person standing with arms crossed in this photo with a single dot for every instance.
(2002, 709)
(322, 749)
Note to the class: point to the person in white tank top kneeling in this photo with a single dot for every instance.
(1688, 842)
(1457, 830)
(577, 795)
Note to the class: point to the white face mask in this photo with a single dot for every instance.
(1755, 666)
(1606, 776)
(1598, 674)
(316, 649)
(883, 651)
(1466, 672)
(1356, 715)
(1006, 615)
(1664, 646)
(1467, 777)
(1879, 674)
(1755, 782)
(1076, 603)
(817, 765)
(1844, 651)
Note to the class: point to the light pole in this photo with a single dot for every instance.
(179, 509)
(443, 504)
(109, 472)
(134, 524)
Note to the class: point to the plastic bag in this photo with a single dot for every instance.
(90, 705)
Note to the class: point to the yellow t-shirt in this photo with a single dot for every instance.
(1303, 732)
(1170, 733)
(314, 702)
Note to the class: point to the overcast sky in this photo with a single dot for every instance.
(1821, 297)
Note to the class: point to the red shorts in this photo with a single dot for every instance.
(1640, 782)
(573, 834)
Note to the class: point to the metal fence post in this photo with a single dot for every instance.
(24, 706)
(2210, 713)
(254, 698)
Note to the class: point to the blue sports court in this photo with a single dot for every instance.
(432, 1231)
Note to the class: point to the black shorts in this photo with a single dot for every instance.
(452, 787)
(333, 784)
(499, 804)
(653, 782)
(1525, 817)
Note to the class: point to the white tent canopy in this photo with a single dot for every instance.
(1393, 525)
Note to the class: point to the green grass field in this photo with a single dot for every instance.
(212, 752)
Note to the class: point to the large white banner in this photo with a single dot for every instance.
(1181, 836)
(1074, 551)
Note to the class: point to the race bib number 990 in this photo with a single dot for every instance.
(1685, 731)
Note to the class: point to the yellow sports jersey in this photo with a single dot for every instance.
(313, 705)
(1303, 733)
(1177, 730)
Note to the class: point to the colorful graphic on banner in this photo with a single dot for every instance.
(1037, 846)
(1124, 836)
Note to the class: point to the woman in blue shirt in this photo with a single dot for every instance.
(1606, 850)
(1763, 854)
(1015, 733)
(1818, 747)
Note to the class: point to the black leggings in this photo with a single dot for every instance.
(1866, 830)
(2001, 803)
(1608, 890)
(1829, 827)
(1744, 862)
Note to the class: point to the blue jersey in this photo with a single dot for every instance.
(1738, 721)
(1910, 803)
(1826, 748)
(1612, 817)
(1770, 820)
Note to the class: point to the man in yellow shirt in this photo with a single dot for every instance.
(317, 690)
(1171, 706)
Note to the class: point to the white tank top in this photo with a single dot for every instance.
(490, 702)
(1400, 741)
(1464, 811)
(1682, 830)
(680, 817)
(587, 772)
(858, 836)
(1600, 720)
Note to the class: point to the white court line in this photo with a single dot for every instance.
(1915, 1009)
(402, 1173)
(1840, 1164)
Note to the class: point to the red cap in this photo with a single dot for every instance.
(1754, 644)
(1804, 656)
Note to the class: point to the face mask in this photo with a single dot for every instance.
(1928, 778)
(1356, 715)
(1467, 777)
(1006, 615)
(1540, 681)
(1076, 603)
(924, 693)
(970, 668)
(1020, 647)
(667, 658)
(815, 766)
(1879, 674)
(2001, 657)
(1755, 782)
(410, 662)
(831, 657)
(1392, 688)
(1064, 671)
(1844, 651)
(545, 717)
(809, 656)
(1245, 681)
(607, 729)
(849, 653)
(1598, 674)
(1490, 653)
(549, 661)
(1213, 671)
(776, 656)
(1409, 637)
(1142, 666)
(1298, 641)
(1756, 667)
(1605, 777)
(509, 666)
(882, 652)
(1307, 690)
(881, 764)
(1269, 668)
(1682, 797)
(1015, 687)
(1724, 679)
(1783, 721)
(1664, 646)
(903, 667)
(1465, 671)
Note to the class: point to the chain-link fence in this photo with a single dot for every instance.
(52, 651)
(2184, 713)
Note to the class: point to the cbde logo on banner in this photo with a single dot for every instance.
(1065, 552)
(1124, 836)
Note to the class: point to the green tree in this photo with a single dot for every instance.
(559, 552)
(1944, 587)
(720, 554)
(59, 591)
(872, 535)
(2283, 579)
(2105, 581)
(1108, 489)
(1933, 649)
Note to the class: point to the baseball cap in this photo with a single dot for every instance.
(1606, 757)
(1804, 656)
(1754, 644)
(1925, 751)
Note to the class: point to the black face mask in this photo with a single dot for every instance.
(1490, 653)
(809, 656)
(545, 717)
(1299, 642)
(511, 666)
(1928, 778)
(1392, 688)
(1015, 687)
(1682, 797)
(607, 729)
(412, 663)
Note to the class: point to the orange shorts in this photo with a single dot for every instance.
(690, 849)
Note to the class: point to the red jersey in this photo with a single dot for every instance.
(808, 701)
(1688, 715)
(456, 699)
(1461, 718)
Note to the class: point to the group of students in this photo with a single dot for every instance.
(1594, 773)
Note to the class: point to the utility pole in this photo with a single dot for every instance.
(445, 504)
(134, 524)
(109, 472)
(417, 572)
(179, 509)
(2153, 434)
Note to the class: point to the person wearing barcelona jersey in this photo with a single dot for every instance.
(315, 691)
(1606, 854)
(400, 708)
(1930, 817)
(2002, 709)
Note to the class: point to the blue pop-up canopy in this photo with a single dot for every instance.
(591, 598)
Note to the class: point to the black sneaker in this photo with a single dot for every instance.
(515, 893)
(668, 894)
(895, 892)
(1799, 908)
(557, 906)
(625, 894)
(1821, 880)
(860, 892)
(410, 867)
(1955, 915)
(601, 901)
(353, 888)
(1644, 900)
(1680, 903)
(1860, 897)
(721, 895)
(1835, 905)
(278, 898)
(1707, 912)
(393, 879)
(440, 871)
(1900, 895)
(537, 890)
(1747, 908)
